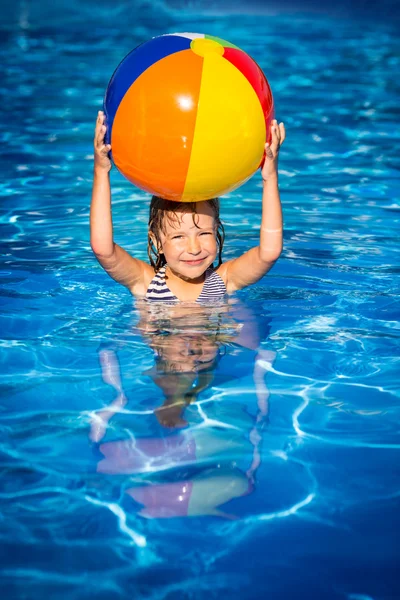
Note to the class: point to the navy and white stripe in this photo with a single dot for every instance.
(213, 289)
(158, 290)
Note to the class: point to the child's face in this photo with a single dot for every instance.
(190, 246)
(186, 353)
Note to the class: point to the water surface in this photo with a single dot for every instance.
(288, 449)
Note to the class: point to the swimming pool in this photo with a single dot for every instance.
(284, 483)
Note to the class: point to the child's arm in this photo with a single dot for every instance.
(117, 262)
(111, 372)
(251, 266)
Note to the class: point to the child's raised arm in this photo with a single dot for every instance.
(251, 266)
(115, 260)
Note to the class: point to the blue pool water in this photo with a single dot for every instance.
(284, 483)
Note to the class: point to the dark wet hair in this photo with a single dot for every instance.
(161, 209)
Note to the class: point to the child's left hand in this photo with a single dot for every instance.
(270, 166)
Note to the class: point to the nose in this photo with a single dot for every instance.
(193, 246)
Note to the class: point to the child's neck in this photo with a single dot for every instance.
(186, 290)
(174, 276)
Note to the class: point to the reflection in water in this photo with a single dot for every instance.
(193, 467)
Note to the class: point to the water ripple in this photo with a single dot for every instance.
(285, 460)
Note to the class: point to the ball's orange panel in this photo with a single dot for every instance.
(153, 129)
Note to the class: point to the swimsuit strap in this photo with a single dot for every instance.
(158, 291)
(213, 288)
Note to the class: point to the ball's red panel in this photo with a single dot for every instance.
(256, 78)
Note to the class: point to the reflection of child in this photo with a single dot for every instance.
(183, 369)
(213, 450)
(185, 363)
(185, 238)
(187, 348)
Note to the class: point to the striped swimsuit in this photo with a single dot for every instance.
(213, 289)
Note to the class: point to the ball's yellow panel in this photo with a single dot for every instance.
(230, 131)
(202, 47)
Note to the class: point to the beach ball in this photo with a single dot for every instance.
(187, 116)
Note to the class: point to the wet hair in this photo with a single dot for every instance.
(160, 210)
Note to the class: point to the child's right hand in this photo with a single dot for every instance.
(101, 150)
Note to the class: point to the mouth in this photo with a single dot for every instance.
(194, 262)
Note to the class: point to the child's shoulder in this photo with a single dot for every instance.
(222, 271)
(141, 286)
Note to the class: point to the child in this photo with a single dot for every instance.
(185, 238)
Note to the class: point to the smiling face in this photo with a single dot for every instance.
(188, 240)
(185, 353)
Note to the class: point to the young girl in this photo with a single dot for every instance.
(185, 238)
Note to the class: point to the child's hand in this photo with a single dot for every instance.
(270, 166)
(170, 414)
(101, 150)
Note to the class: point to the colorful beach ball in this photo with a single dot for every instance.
(188, 116)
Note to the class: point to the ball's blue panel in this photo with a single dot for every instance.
(133, 65)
